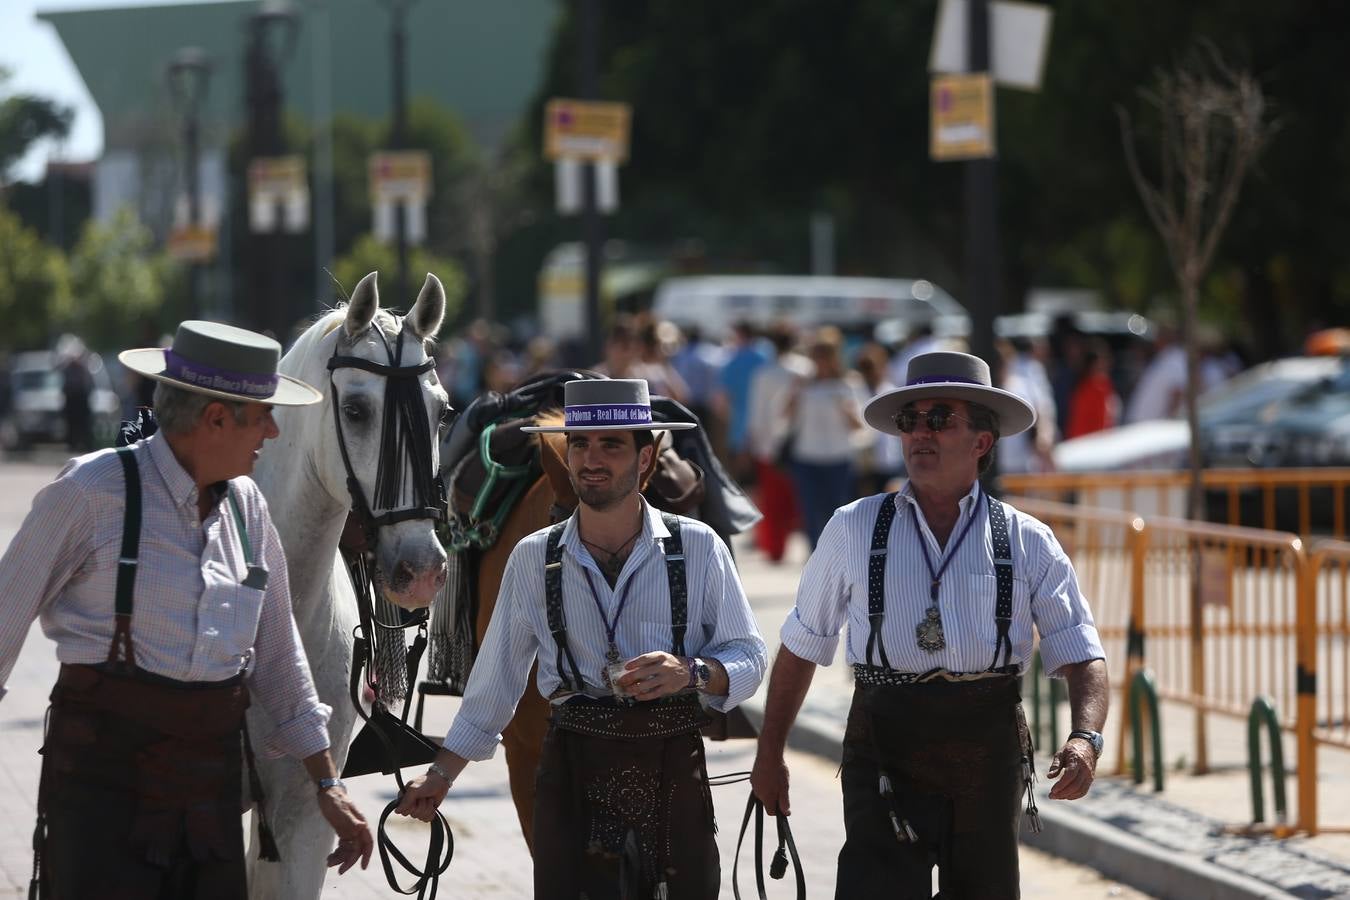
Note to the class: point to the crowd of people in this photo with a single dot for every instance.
(782, 404)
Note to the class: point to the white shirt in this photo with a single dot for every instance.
(721, 624)
(770, 387)
(833, 591)
(1161, 387)
(822, 432)
(192, 618)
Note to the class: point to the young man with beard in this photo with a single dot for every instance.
(638, 622)
(941, 585)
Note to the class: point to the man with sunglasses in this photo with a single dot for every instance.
(940, 585)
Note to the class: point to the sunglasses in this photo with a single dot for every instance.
(938, 418)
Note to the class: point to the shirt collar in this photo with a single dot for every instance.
(653, 526)
(968, 504)
(180, 485)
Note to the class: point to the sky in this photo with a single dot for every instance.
(39, 64)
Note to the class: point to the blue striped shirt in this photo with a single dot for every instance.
(721, 624)
(833, 591)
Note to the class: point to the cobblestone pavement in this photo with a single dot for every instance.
(491, 860)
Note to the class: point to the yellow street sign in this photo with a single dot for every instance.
(192, 243)
(584, 129)
(400, 174)
(277, 175)
(961, 124)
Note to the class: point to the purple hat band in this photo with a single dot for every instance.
(594, 414)
(944, 379)
(245, 384)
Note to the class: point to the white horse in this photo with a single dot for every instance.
(303, 475)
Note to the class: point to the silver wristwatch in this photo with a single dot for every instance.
(1092, 737)
(700, 673)
(326, 783)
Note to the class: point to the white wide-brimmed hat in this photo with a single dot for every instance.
(608, 404)
(950, 376)
(222, 361)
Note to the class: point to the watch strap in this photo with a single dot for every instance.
(1092, 737)
(326, 783)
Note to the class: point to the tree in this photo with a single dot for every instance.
(370, 255)
(120, 282)
(34, 287)
(25, 119)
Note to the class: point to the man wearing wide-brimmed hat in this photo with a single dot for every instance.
(638, 621)
(157, 571)
(940, 585)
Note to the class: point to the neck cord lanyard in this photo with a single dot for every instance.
(929, 631)
(611, 627)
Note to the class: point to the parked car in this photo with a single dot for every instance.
(37, 401)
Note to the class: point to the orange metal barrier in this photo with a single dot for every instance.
(1216, 610)
(1324, 714)
(1304, 501)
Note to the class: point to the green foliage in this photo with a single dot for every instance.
(370, 255)
(120, 281)
(25, 119)
(747, 118)
(35, 299)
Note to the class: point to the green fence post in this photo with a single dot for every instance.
(1264, 710)
(1144, 685)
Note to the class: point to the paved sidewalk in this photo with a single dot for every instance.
(1172, 845)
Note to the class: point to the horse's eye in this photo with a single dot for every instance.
(353, 412)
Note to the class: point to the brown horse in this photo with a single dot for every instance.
(523, 738)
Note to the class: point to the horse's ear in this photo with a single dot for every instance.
(363, 306)
(429, 310)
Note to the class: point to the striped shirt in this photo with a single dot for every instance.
(721, 624)
(193, 620)
(833, 591)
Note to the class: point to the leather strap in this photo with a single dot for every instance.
(675, 579)
(876, 579)
(786, 846)
(1003, 574)
(553, 601)
(127, 563)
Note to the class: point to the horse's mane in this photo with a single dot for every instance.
(552, 418)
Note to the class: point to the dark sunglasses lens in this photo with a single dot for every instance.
(937, 419)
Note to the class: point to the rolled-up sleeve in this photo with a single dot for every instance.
(812, 629)
(736, 642)
(500, 671)
(281, 681)
(1061, 613)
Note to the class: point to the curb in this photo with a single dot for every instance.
(1123, 857)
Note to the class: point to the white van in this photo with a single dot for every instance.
(714, 303)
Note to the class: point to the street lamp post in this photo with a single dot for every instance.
(271, 38)
(398, 60)
(188, 75)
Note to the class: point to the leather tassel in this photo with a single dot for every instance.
(267, 845)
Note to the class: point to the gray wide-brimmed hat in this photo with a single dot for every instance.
(222, 361)
(950, 376)
(608, 404)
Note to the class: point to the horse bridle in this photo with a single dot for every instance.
(400, 438)
(428, 491)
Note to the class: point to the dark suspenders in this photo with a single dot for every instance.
(127, 562)
(1003, 574)
(876, 579)
(553, 599)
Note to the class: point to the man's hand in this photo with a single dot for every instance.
(354, 839)
(769, 781)
(654, 675)
(422, 796)
(1077, 762)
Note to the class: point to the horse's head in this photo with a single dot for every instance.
(388, 406)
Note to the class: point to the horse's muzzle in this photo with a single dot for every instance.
(413, 589)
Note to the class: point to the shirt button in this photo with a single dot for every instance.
(225, 605)
(211, 632)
